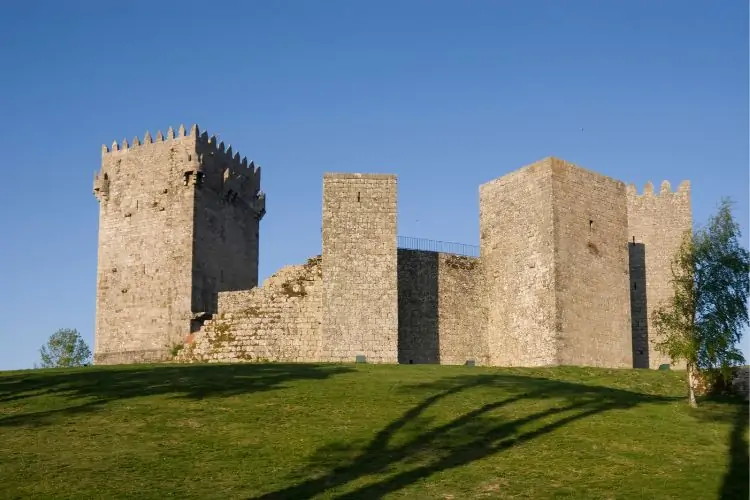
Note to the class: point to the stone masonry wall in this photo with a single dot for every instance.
(517, 252)
(360, 298)
(591, 268)
(145, 249)
(441, 313)
(179, 220)
(229, 207)
(279, 321)
(656, 225)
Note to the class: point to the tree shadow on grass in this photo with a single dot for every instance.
(91, 388)
(734, 410)
(419, 451)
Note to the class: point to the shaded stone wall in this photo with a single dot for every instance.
(517, 252)
(441, 311)
(657, 223)
(228, 208)
(591, 268)
(360, 298)
(279, 321)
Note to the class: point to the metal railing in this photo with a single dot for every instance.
(411, 243)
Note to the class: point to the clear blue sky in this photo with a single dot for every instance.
(447, 95)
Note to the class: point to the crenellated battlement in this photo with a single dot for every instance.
(207, 163)
(665, 189)
(209, 144)
(210, 151)
(136, 143)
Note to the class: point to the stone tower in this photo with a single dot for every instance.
(178, 222)
(656, 225)
(553, 246)
(360, 289)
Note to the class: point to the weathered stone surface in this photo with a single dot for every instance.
(591, 268)
(572, 264)
(360, 298)
(279, 321)
(518, 254)
(178, 223)
(441, 308)
(657, 223)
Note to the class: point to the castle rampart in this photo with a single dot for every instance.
(441, 308)
(571, 264)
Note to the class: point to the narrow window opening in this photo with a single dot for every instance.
(633, 240)
(357, 196)
(635, 285)
(591, 225)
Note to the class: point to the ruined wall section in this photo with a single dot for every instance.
(656, 225)
(591, 268)
(145, 248)
(360, 297)
(517, 253)
(441, 311)
(279, 321)
(229, 206)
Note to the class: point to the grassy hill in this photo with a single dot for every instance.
(327, 431)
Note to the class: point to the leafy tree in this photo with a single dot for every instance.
(702, 323)
(65, 348)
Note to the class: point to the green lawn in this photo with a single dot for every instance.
(364, 431)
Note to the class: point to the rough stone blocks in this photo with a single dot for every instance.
(360, 296)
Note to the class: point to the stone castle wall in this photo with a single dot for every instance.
(572, 264)
(279, 321)
(144, 275)
(517, 252)
(657, 223)
(591, 268)
(179, 219)
(441, 311)
(360, 304)
(226, 225)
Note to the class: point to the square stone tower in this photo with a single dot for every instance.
(657, 223)
(360, 288)
(554, 249)
(178, 222)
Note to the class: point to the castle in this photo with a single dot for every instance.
(571, 263)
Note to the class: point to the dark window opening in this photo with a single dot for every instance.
(633, 240)
(635, 285)
(591, 225)
(357, 196)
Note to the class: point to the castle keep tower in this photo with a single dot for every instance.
(553, 245)
(360, 289)
(178, 222)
